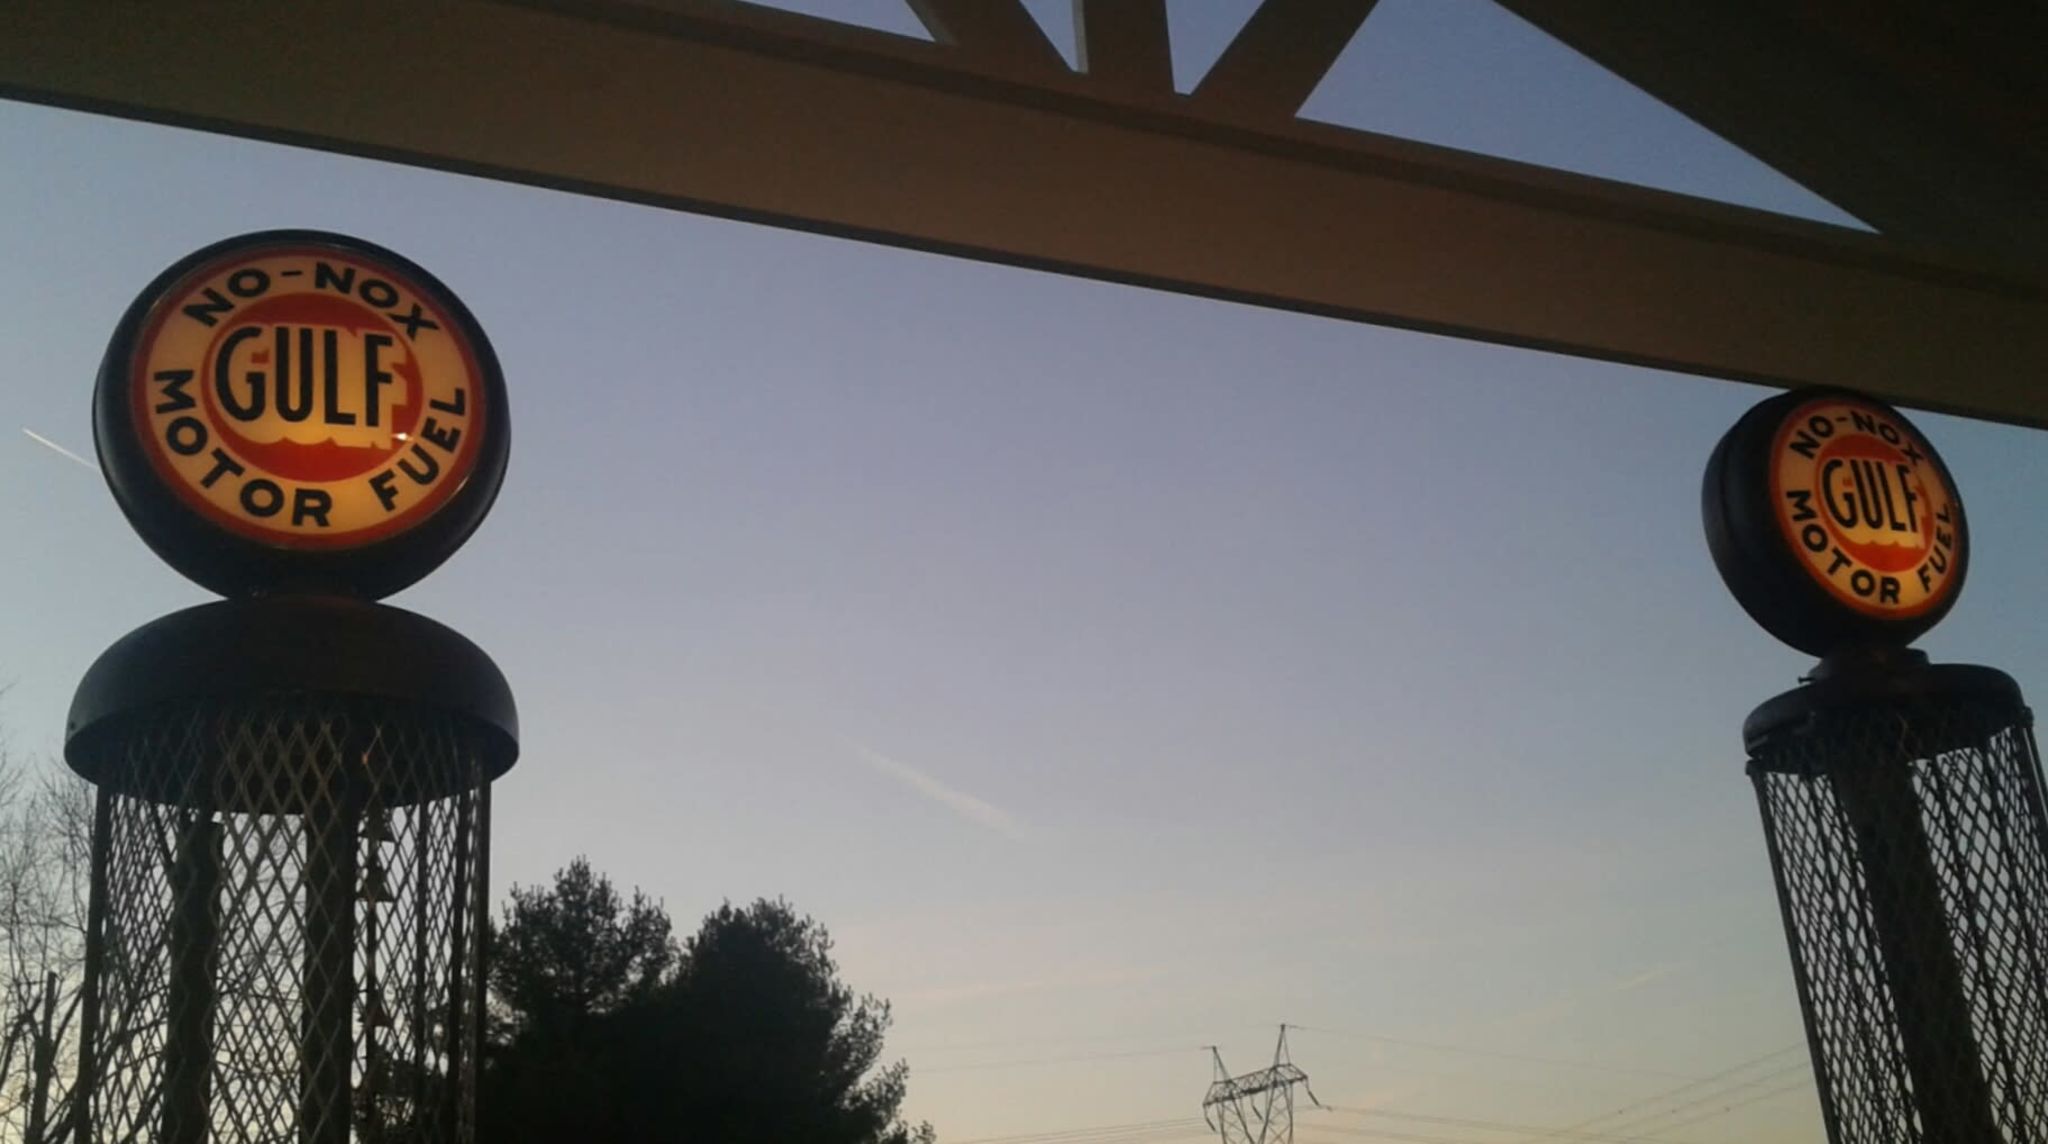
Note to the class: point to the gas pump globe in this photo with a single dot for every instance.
(291, 835)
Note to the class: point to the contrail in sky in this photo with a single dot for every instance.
(958, 801)
(60, 450)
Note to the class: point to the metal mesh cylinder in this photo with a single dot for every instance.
(1904, 815)
(288, 898)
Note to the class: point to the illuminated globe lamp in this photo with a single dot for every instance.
(1902, 801)
(292, 823)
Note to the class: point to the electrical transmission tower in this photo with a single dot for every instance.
(1258, 1107)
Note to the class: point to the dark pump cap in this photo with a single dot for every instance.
(250, 650)
(1879, 687)
(1834, 522)
(297, 411)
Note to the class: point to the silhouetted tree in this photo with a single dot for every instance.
(767, 1044)
(603, 1029)
(45, 839)
(577, 951)
(570, 965)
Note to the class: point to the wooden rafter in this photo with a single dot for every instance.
(1928, 121)
(1279, 56)
(1123, 45)
(999, 34)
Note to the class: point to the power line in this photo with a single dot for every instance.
(1718, 1092)
(1102, 1133)
(1146, 1136)
(1025, 1042)
(1096, 1135)
(1149, 1132)
(1432, 1046)
(1058, 1060)
(1698, 1091)
(1405, 1137)
(1492, 1125)
(1527, 1058)
(1759, 1098)
(1712, 1081)
(1389, 1134)
(1190, 1128)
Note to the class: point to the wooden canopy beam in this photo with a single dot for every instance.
(731, 111)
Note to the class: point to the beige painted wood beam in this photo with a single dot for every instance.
(881, 138)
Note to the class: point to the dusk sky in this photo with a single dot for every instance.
(1112, 672)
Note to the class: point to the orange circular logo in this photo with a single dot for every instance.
(1865, 503)
(307, 397)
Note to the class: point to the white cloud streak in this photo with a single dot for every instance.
(60, 450)
(973, 809)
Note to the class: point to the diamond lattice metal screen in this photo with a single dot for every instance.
(1906, 834)
(288, 894)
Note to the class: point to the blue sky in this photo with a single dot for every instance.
(1113, 672)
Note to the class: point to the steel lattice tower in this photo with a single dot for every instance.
(1258, 1107)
